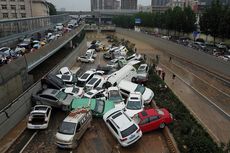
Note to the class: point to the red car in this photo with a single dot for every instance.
(152, 119)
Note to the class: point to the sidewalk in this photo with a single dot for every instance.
(201, 109)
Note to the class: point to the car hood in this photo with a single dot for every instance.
(148, 95)
(141, 75)
(64, 137)
(120, 105)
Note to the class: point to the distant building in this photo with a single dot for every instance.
(104, 4)
(12, 9)
(142, 8)
(160, 5)
(40, 8)
(62, 9)
(129, 4)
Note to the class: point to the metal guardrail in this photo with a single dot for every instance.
(35, 58)
(17, 28)
(101, 27)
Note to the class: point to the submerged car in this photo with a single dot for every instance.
(152, 119)
(98, 106)
(115, 96)
(39, 117)
(85, 59)
(74, 91)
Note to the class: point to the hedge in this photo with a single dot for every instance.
(190, 136)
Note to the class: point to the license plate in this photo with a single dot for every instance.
(132, 136)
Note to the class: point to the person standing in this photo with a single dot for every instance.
(163, 75)
(173, 78)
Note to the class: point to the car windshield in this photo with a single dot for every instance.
(128, 131)
(134, 105)
(140, 89)
(92, 81)
(81, 83)
(115, 96)
(40, 108)
(75, 90)
(99, 108)
(67, 128)
(136, 118)
(61, 95)
(84, 76)
(141, 71)
(65, 77)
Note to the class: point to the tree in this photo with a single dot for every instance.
(52, 9)
(189, 18)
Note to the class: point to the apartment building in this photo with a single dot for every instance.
(13, 9)
(129, 4)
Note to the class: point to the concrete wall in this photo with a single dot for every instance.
(11, 115)
(13, 80)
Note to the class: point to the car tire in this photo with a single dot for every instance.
(162, 125)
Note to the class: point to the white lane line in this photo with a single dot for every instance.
(28, 142)
(225, 113)
(203, 81)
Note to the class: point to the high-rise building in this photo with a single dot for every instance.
(97, 5)
(12, 9)
(104, 4)
(160, 5)
(129, 4)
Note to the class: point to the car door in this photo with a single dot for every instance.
(49, 100)
(155, 122)
(144, 125)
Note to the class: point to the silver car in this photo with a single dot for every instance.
(54, 98)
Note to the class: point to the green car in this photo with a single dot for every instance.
(98, 106)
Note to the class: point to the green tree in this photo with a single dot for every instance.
(52, 9)
(189, 18)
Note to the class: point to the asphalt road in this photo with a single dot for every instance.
(210, 62)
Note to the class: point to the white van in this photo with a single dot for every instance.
(127, 87)
(73, 127)
(128, 72)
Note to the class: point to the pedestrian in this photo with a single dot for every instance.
(157, 58)
(170, 59)
(163, 75)
(173, 76)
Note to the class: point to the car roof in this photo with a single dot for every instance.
(142, 66)
(135, 96)
(50, 92)
(95, 78)
(148, 112)
(76, 115)
(121, 120)
(127, 85)
(113, 88)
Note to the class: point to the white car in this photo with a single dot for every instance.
(113, 63)
(68, 79)
(95, 93)
(65, 70)
(115, 96)
(96, 81)
(127, 87)
(134, 104)
(91, 53)
(74, 91)
(85, 59)
(85, 77)
(39, 117)
(59, 26)
(123, 128)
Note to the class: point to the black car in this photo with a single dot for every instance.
(52, 81)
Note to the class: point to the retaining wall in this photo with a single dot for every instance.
(11, 115)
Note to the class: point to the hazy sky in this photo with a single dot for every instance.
(82, 5)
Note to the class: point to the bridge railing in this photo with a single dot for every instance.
(17, 28)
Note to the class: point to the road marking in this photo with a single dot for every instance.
(225, 113)
(28, 142)
(204, 81)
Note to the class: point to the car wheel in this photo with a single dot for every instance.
(162, 125)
